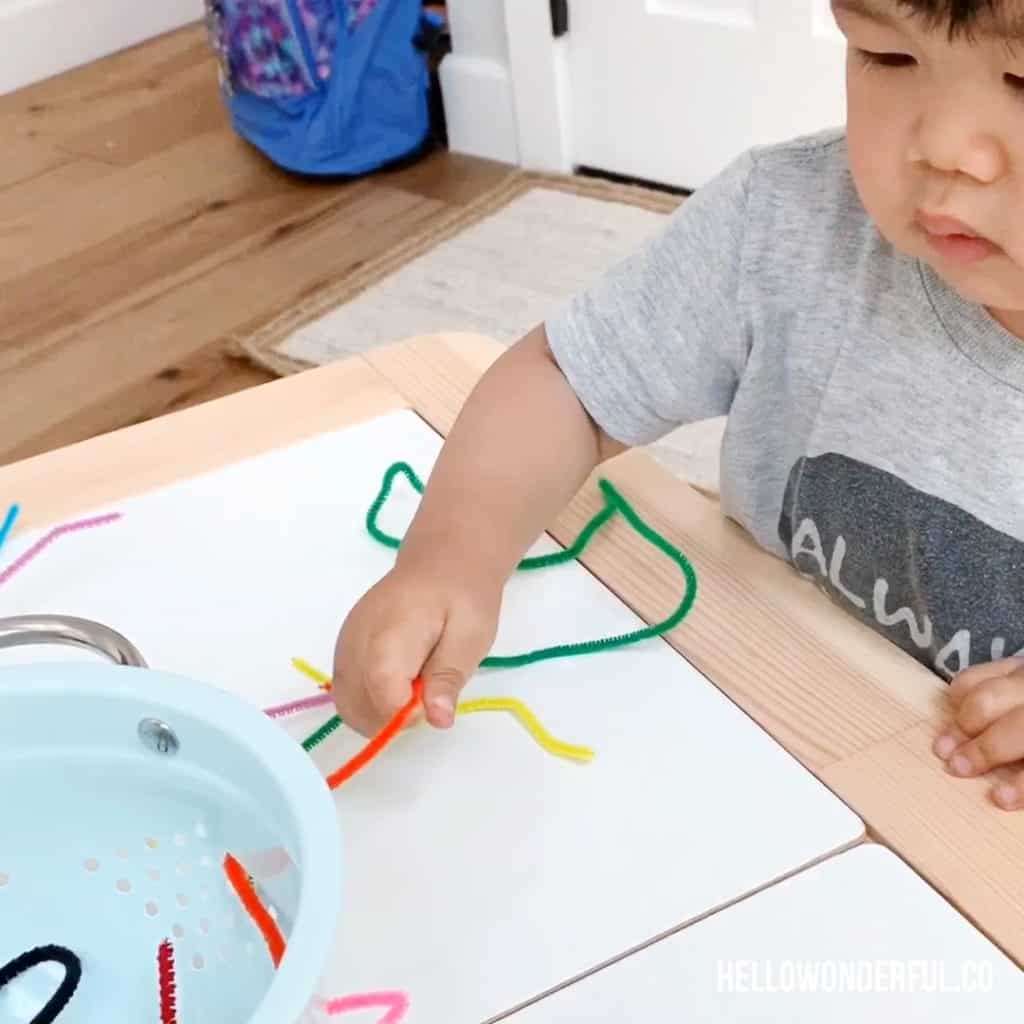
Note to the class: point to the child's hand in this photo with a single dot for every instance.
(988, 726)
(412, 623)
(507, 468)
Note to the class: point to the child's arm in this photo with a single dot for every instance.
(659, 340)
(521, 448)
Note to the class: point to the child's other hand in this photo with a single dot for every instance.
(988, 726)
(412, 623)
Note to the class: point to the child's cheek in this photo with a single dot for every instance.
(880, 162)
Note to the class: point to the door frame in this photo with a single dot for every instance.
(541, 89)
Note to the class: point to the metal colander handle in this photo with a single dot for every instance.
(24, 630)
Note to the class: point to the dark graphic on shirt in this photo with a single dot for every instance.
(935, 580)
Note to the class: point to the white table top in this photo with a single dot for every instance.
(479, 870)
(857, 938)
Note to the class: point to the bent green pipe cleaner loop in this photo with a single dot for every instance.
(614, 504)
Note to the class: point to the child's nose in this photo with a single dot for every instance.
(950, 138)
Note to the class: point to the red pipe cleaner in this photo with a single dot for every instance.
(380, 741)
(168, 983)
(241, 883)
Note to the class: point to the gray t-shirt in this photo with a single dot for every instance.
(876, 420)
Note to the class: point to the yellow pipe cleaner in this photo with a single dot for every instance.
(318, 677)
(530, 722)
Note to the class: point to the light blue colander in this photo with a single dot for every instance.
(121, 790)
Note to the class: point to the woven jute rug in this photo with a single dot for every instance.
(496, 267)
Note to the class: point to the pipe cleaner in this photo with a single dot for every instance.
(240, 881)
(8, 524)
(614, 504)
(168, 983)
(380, 741)
(47, 539)
(45, 955)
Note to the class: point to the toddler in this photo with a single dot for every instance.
(854, 301)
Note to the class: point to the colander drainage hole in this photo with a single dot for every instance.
(152, 909)
(178, 931)
(202, 832)
(198, 962)
(5, 879)
(122, 885)
(182, 900)
(179, 840)
(91, 864)
(204, 926)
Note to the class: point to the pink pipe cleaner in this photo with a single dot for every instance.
(396, 1004)
(47, 539)
(295, 706)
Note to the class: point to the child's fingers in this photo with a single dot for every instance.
(356, 709)
(948, 741)
(1001, 743)
(373, 677)
(973, 677)
(394, 658)
(1010, 795)
(989, 701)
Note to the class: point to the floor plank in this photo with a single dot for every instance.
(456, 179)
(193, 109)
(201, 377)
(140, 237)
(26, 197)
(68, 104)
(102, 363)
(171, 186)
(149, 242)
(25, 159)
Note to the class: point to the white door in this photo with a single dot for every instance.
(672, 90)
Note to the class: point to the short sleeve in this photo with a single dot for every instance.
(659, 340)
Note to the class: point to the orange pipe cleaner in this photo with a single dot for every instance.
(243, 887)
(380, 741)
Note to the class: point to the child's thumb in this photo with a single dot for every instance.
(457, 656)
(441, 689)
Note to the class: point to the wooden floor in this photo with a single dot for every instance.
(139, 236)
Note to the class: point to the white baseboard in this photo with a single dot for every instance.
(479, 109)
(41, 38)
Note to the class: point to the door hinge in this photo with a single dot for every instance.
(559, 17)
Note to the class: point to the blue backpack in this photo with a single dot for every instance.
(324, 87)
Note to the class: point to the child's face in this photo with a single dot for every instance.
(936, 140)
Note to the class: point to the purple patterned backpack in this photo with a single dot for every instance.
(324, 86)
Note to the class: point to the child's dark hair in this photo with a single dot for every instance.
(958, 15)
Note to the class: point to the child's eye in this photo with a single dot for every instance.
(1015, 82)
(887, 60)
